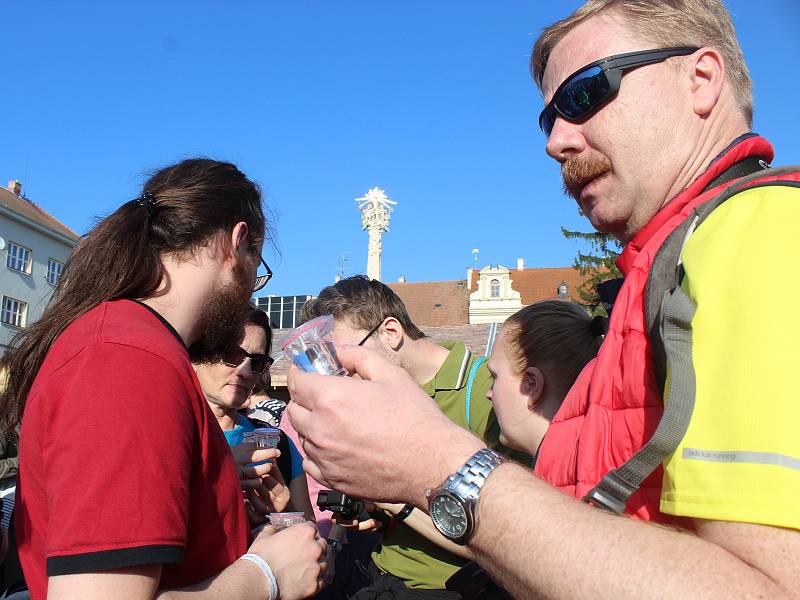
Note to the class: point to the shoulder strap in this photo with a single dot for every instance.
(670, 333)
(614, 490)
(475, 366)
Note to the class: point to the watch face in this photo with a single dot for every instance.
(448, 515)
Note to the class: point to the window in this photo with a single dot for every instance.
(283, 311)
(54, 269)
(494, 288)
(275, 312)
(14, 312)
(19, 258)
(287, 321)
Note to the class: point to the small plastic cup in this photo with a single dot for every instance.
(266, 437)
(310, 347)
(286, 519)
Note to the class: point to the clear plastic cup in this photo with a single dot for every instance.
(266, 437)
(286, 519)
(310, 347)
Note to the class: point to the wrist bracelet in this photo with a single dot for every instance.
(404, 512)
(265, 568)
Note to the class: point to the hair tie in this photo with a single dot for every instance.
(148, 202)
(599, 326)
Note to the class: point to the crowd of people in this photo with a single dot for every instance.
(652, 453)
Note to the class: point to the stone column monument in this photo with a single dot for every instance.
(376, 208)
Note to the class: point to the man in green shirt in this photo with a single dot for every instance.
(369, 313)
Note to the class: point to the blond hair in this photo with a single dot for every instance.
(666, 23)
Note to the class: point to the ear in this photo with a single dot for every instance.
(394, 332)
(707, 79)
(532, 385)
(240, 241)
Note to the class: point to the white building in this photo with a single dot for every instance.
(494, 300)
(33, 246)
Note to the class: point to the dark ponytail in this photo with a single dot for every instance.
(557, 337)
(182, 208)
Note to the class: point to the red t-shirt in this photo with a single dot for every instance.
(121, 461)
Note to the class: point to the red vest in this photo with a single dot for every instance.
(615, 405)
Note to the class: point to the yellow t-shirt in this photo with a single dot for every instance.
(740, 458)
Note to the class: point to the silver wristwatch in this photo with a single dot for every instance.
(452, 506)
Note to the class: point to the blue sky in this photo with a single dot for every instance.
(318, 101)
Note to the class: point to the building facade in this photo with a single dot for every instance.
(283, 311)
(34, 247)
(489, 295)
(495, 299)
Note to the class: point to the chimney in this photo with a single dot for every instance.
(401, 279)
(15, 187)
(520, 264)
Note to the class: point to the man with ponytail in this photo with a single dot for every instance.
(127, 488)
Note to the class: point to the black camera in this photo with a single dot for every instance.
(343, 505)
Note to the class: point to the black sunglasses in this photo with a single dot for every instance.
(262, 280)
(586, 91)
(259, 363)
(371, 331)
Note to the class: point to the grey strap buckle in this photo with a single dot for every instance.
(611, 493)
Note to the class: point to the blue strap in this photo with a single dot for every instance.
(476, 365)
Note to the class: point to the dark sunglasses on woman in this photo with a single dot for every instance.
(589, 88)
(259, 363)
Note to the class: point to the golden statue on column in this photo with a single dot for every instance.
(376, 208)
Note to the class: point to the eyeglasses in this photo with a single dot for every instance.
(371, 331)
(261, 280)
(586, 91)
(259, 363)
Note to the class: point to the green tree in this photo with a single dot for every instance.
(601, 250)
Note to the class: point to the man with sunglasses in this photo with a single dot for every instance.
(648, 109)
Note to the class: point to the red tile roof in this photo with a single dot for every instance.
(28, 209)
(475, 337)
(434, 303)
(535, 285)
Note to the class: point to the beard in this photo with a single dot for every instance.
(577, 171)
(223, 317)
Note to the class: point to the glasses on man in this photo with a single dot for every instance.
(259, 363)
(263, 275)
(589, 88)
(371, 331)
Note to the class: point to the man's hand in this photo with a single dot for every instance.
(374, 437)
(296, 556)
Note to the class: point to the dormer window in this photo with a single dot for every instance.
(494, 288)
(562, 290)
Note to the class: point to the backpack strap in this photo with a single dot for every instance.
(614, 490)
(670, 334)
(468, 400)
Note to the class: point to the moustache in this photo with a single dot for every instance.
(576, 171)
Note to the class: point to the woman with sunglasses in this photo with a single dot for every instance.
(227, 385)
